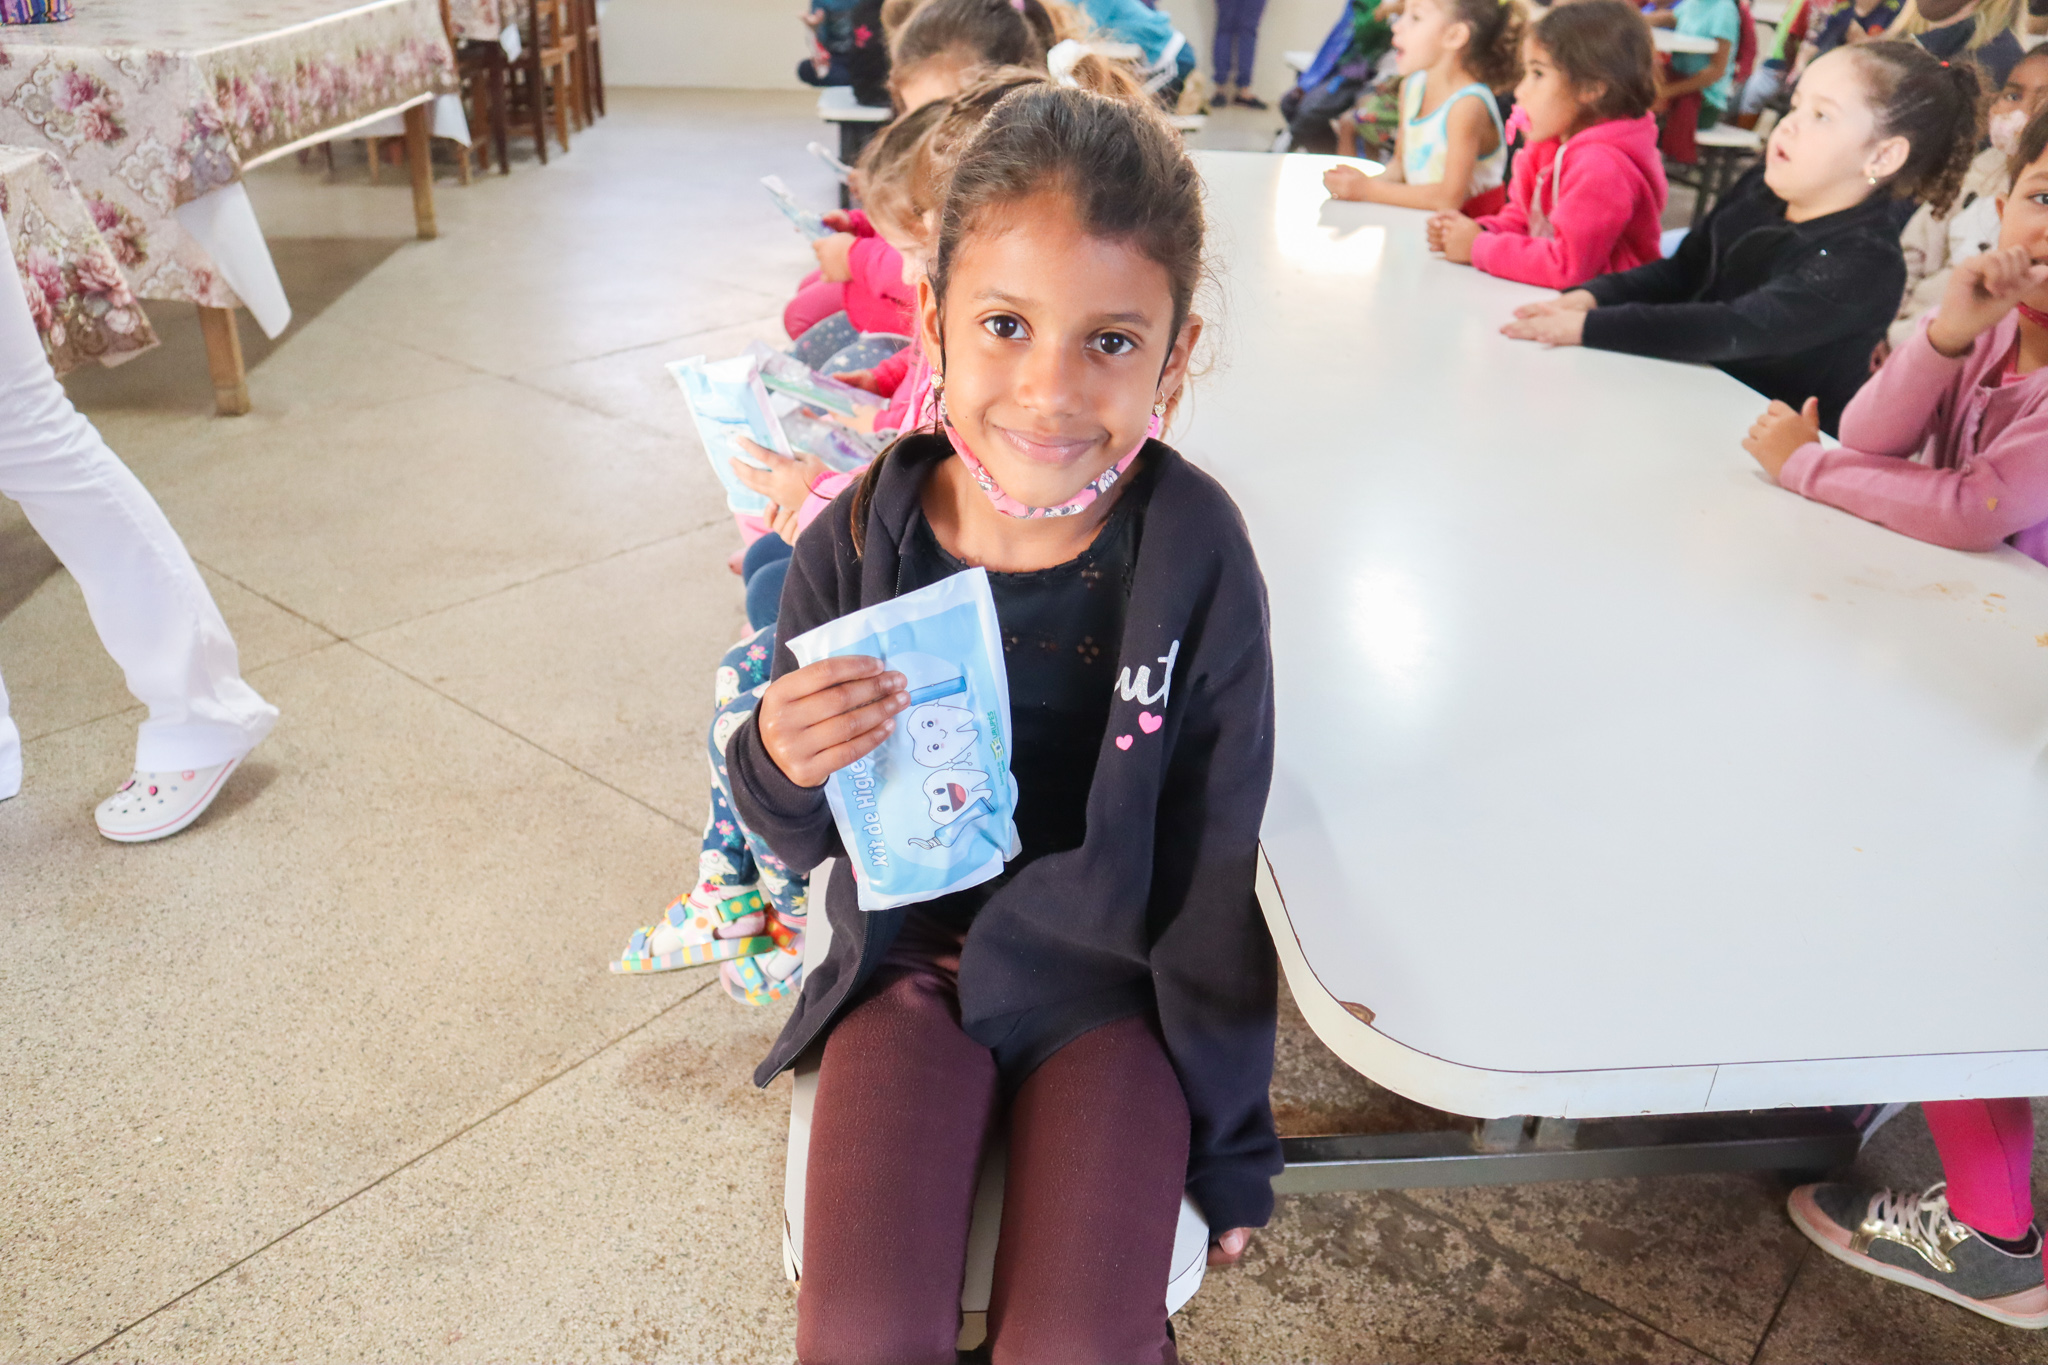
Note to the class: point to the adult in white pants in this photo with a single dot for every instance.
(150, 606)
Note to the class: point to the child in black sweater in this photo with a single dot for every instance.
(1114, 989)
(1790, 282)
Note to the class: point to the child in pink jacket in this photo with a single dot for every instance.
(1948, 442)
(859, 274)
(1588, 190)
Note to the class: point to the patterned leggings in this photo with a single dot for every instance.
(733, 855)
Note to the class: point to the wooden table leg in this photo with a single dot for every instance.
(224, 359)
(419, 154)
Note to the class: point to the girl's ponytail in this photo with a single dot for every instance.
(1972, 94)
(1937, 106)
(1494, 52)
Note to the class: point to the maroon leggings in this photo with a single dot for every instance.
(1098, 1156)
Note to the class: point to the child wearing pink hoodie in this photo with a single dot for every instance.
(1588, 190)
(1948, 442)
(859, 274)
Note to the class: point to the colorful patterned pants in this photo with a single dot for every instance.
(733, 855)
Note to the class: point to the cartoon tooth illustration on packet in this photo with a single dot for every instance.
(933, 809)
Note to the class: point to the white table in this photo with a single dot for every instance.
(1668, 40)
(1770, 12)
(1611, 778)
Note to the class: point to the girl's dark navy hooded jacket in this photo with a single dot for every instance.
(1155, 911)
(1794, 310)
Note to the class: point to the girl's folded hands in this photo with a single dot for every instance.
(1453, 235)
(1554, 322)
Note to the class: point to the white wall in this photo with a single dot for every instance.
(756, 44)
(734, 44)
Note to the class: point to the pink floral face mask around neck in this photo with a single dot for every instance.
(1080, 502)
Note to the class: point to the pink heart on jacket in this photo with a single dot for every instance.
(1149, 722)
(1123, 741)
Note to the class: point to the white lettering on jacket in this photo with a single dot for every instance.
(1138, 690)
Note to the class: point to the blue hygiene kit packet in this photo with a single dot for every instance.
(934, 809)
(727, 401)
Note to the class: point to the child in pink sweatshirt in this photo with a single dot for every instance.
(1588, 190)
(1948, 442)
(859, 274)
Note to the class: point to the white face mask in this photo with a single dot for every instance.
(2005, 130)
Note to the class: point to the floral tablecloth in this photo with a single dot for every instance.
(483, 20)
(151, 104)
(71, 273)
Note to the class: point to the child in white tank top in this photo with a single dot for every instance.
(1452, 149)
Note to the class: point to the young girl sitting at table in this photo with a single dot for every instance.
(1111, 997)
(1790, 282)
(1934, 242)
(1451, 151)
(1968, 392)
(1588, 191)
(748, 910)
(1949, 443)
(1702, 84)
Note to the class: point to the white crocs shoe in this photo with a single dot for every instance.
(158, 805)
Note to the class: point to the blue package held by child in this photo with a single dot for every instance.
(727, 401)
(933, 809)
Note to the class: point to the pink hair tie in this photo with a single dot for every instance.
(1018, 5)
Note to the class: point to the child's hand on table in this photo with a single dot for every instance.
(1554, 322)
(826, 715)
(832, 253)
(1981, 291)
(1453, 235)
(1228, 1248)
(1780, 432)
(786, 482)
(1347, 182)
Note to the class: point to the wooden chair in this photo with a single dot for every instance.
(485, 74)
(590, 47)
(547, 72)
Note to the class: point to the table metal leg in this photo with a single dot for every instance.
(224, 360)
(419, 155)
(853, 139)
(1516, 1150)
(1703, 182)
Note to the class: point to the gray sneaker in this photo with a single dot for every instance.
(1911, 1238)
